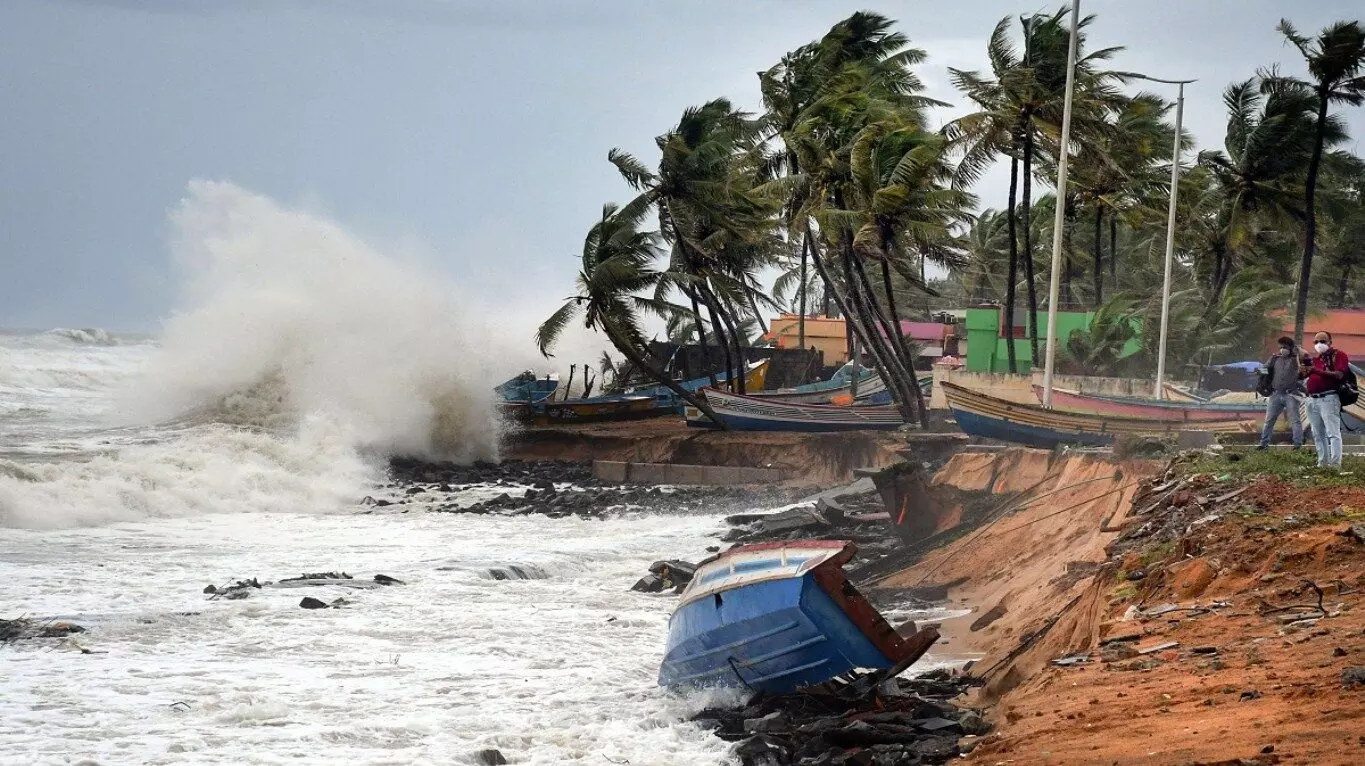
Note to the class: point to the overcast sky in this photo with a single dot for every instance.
(474, 133)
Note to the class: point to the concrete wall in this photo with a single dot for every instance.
(1019, 388)
(670, 473)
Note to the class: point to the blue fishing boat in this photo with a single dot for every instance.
(776, 617)
(527, 388)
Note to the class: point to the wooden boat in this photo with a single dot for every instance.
(1150, 409)
(632, 405)
(754, 379)
(776, 617)
(988, 417)
(750, 413)
(840, 384)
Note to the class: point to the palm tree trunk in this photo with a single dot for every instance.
(1310, 227)
(572, 369)
(1099, 263)
(727, 315)
(801, 315)
(854, 324)
(1114, 248)
(1341, 286)
(718, 328)
(906, 351)
(701, 336)
(893, 365)
(1011, 284)
(630, 352)
(1028, 244)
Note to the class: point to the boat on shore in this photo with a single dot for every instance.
(979, 414)
(526, 388)
(751, 413)
(777, 617)
(1149, 409)
(635, 404)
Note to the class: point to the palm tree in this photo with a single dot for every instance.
(1336, 60)
(1270, 139)
(719, 230)
(1021, 114)
(617, 267)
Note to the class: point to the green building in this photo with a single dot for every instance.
(986, 339)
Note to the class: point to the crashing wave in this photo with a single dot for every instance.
(89, 336)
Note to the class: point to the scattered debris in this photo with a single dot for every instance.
(1353, 677)
(1161, 647)
(1071, 660)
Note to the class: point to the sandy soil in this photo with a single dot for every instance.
(1239, 687)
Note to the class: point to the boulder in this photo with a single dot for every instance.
(309, 602)
(650, 583)
(792, 521)
(517, 572)
(490, 757)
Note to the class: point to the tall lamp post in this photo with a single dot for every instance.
(1160, 392)
(1059, 220)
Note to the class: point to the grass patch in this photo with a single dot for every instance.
(1298, 467)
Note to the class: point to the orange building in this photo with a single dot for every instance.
(827, 335)
(1346, 325)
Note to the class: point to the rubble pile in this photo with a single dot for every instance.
(865, 721)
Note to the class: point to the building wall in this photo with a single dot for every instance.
(987, 350)
(828, 335)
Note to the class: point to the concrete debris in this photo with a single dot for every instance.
(1161, 647)
(1071, 660)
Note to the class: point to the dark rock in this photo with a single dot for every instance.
(936, 749)
(937, 724)
(677, 572)
(1353, 677)
(650, 583)
(972, 723)
(791, 521)
(517, 572)
(382, 503)
(309, 602)
(763, 750)
(416, 490)
(490, 757)
(773, 722)
(1338, 652)
(384, 579)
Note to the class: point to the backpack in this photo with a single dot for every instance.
(1348, 391)
(1264, 386)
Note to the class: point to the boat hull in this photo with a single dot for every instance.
(988, 417)
(778, 617)
(748, 413)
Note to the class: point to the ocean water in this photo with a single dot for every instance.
(237, 442)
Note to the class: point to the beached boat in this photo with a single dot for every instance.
(839, 385)
(1150, 409)
(986, 416)
(751, 413)
(526, 387)
(754, 379)
(633, 405)
(776, 617)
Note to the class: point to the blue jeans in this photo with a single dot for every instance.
(1324, 416)
(1288, 403)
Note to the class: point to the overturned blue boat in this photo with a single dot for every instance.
(776, 617)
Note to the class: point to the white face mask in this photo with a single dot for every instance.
(1321, 347)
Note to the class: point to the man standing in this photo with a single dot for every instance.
(1282, 388)
(1324, 375)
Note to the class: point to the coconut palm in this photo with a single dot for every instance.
(1336, 65)
(1270, 139)
(720, 232)
(617, 270)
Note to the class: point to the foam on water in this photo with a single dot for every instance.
(553, 671)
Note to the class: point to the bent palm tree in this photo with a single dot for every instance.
(1336, 62)
(617, 267)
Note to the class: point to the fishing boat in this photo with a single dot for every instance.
(839, 385)
(1151, 409)
(751, 413)
(633, 405)
(986, 416)
(526, 387)
(776, 617)
(754, 379)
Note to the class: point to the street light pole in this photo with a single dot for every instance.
(1059, 220)
(1160, 392)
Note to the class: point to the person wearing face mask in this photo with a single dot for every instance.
(1282, 389)
(1322, 377)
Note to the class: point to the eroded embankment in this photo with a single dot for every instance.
(809, 458)
(1202, 617)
